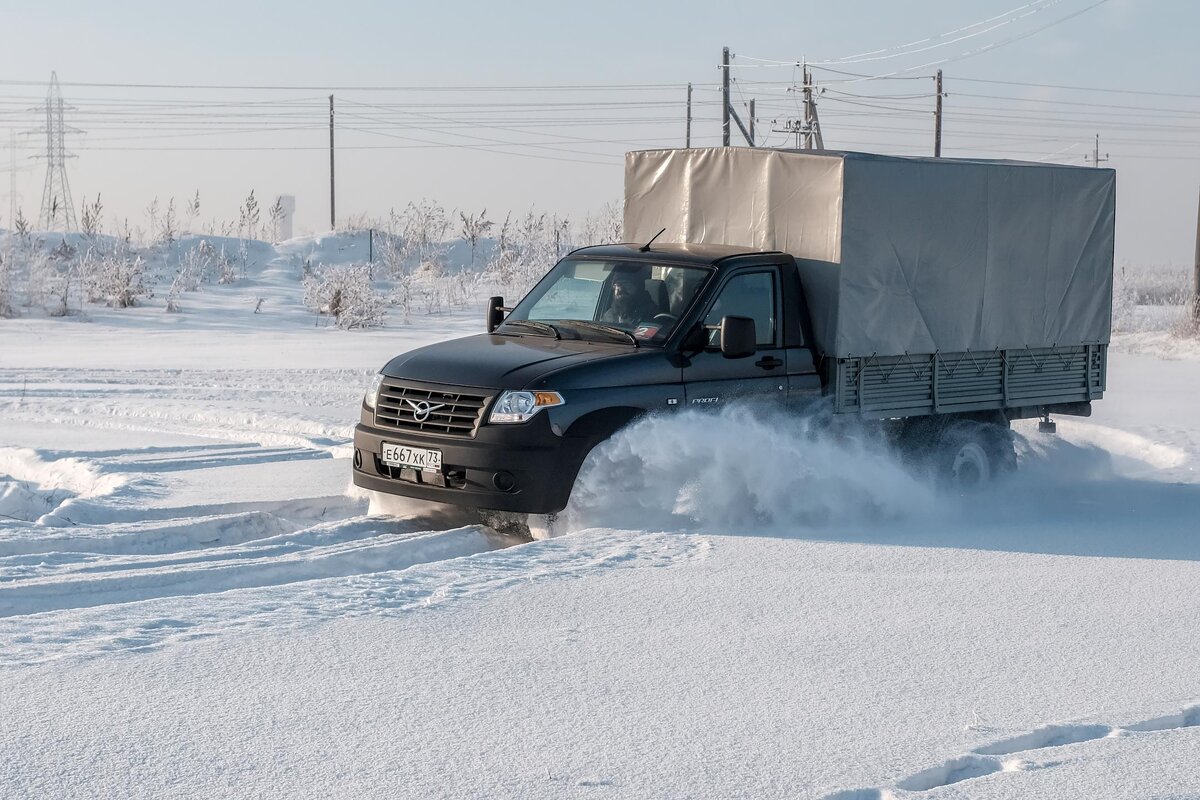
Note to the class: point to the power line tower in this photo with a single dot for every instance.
(58, 209)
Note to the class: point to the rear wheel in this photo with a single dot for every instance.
(969, 454)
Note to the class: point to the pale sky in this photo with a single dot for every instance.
(558, 149)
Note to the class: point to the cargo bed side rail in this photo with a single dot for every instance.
(947, 383)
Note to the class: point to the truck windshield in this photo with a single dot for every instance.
(623, 301)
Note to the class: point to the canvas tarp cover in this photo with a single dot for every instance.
(901, 255)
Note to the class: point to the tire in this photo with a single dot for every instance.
(525, 526)
(970, 454)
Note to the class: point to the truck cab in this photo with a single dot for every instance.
(503, 420)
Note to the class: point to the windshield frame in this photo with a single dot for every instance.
(520, 311)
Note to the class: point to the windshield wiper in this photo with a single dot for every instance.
(545, 327)
(607, 329)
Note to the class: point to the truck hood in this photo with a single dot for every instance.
(491, 361)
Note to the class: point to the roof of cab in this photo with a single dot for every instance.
(707, 254)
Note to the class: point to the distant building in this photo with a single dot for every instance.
(287, 202)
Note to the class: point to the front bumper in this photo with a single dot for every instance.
(540, 465)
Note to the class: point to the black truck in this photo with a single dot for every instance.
(939, 298)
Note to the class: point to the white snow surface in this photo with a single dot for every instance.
(194, 602)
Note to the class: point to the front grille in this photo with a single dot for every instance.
(449, 413)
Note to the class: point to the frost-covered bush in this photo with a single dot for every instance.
(117, 279)
(203, 263)
(53, 278)
(1151, 298)
(606, 226)
(527, 248)
(346, 294)
(8, 285)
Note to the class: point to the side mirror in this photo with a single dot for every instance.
(495, 313)
(738, 338)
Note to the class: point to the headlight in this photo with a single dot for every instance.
(521, 406)
(373, 391)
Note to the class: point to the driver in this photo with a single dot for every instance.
(631, 303)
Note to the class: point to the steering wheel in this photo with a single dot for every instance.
(666, 318)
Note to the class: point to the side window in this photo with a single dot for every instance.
(750, 295)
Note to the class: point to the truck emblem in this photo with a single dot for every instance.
(422, 409)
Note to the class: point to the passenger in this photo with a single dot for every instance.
(631, 303)
(681, 288)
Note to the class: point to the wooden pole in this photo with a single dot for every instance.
(808, 124)
(753, 141)
(332, 208)
(725, 97)
(688, 136)
(1196, 274)
(937, 115)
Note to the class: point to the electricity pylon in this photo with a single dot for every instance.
(58, 209)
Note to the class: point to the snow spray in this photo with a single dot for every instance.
(744, 470)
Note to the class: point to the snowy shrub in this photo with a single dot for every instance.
(202, 264)
(8, 274)
(41, 278)
(425, 228)
(606, 226)
(116, 279)
(188, 274)
(62, 284)
(346, 294)
(1151, 298)
(169, 230)
(526, 249)
(474, 227)
(90, 219)
(225, 268)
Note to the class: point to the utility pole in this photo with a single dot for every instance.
(332, 207)
(12, 179)
(1196, 275)
(808, 139)
(1096, 158)
(937, 117)
(812, 125)
(727, 112)
(725, 97)
(687, 141)
(753, 141)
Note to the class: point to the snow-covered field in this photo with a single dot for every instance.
(194, 602)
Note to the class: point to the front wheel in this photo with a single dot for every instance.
(527, 526)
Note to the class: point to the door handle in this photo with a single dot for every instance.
(769, 362)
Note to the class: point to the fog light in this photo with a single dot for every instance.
(504, 481)
(357, 458)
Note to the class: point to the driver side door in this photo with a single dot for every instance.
(710, 379)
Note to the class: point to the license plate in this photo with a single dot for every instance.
(398, 455)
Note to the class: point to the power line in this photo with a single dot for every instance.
(335, 88)
(951, 59)
(1148, 92)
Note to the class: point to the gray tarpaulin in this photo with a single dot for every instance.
(901, 255)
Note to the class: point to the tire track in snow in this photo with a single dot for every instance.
(436, 582)
(364, 549)
(311, 409)
(990, 759)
